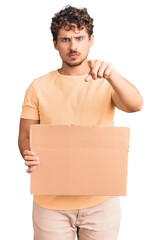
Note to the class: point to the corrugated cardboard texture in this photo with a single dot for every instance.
(79, 160)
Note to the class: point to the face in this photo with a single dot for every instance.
(73, 45)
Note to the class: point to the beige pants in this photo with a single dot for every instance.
(99, 222)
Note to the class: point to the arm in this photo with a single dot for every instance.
(23, 142)
(126, 97)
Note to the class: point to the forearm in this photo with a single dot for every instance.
(23, 145)
(128, 95)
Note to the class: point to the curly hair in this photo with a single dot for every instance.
(69, 15)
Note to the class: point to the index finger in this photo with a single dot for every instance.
(91, 63)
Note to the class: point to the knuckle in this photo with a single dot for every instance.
(94, 75)
(26, 163)
(30, 153)
(26, 152)
(106, 75)
(100, 75)
(25, 157)
(28, 157)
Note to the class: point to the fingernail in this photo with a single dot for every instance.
(37, 158)
(88, 77)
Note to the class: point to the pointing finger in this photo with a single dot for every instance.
(91, 63)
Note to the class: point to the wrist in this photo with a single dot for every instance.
(112, 76)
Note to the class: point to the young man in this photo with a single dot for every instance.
(81, 92)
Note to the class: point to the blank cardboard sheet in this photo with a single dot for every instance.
(79, 160)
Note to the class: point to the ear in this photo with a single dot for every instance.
(91, 40)
(55, 44)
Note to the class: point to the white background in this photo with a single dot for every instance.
(127, 35)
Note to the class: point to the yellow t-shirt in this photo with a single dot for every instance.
(63, 99)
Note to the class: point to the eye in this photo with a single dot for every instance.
(79, 38)
(65, 39)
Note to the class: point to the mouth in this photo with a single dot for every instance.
(73, 55)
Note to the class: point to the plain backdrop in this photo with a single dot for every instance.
(127, 34)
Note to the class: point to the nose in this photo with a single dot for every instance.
(73, 45)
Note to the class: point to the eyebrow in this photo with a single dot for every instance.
(74, 37)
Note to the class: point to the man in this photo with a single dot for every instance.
(81, 92)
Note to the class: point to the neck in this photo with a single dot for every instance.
(75, 70)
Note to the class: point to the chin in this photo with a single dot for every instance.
(74, 64)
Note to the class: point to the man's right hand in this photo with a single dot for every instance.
(30, 160)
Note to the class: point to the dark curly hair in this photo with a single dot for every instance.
(69, 15)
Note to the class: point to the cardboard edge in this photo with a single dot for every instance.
(127, 160)
(128, 139)
(30, 144)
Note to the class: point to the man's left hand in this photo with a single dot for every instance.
(99, 69)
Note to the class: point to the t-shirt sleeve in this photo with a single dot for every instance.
(30, 108)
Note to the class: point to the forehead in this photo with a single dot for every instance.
(72, 32)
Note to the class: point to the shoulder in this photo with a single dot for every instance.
(40, 83)
(43, 81)
(44, 78)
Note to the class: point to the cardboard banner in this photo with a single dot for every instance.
(79, 160)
